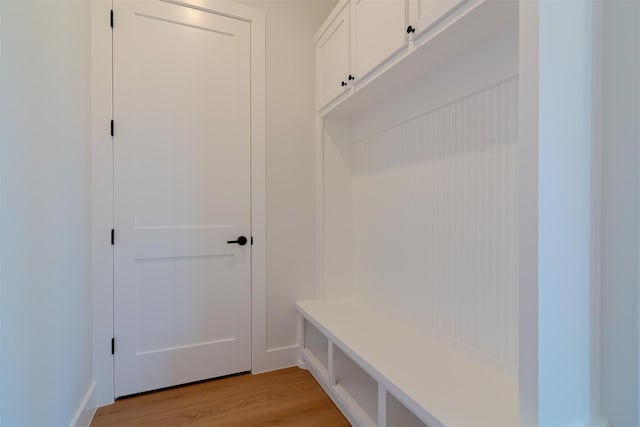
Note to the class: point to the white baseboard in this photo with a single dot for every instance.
(302, 364)
(86, 410)
(276, 358)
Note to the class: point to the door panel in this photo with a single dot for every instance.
(333, 58)
(161, 326)
(181, 191)
(380, 32)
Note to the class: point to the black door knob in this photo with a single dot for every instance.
(351, 77)
(410, 29)
(343, 84)
(241, 241)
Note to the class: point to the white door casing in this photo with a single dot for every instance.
(182, 189)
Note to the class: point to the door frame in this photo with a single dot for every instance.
(102, 208)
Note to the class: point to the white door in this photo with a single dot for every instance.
(181, 192)
(381, 31)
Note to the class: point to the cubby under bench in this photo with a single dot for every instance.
(383, 371)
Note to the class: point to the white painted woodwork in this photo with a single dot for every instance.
(439, 383)
(338, 198)
(436, 225)
(86, 409)
(528, 52)
(459, 199)
(355, 384)
(379, 31)
(398, 415)
(101, 201)
(467, 30)
(317, 344)
(182, 295)
(333, 55)
(264, 357)
(419, 223)
(423, 14)
(382, 406)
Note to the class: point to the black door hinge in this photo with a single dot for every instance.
(113, 346)
(112, 127)
(111, 18)
(113, 236)
(251, 240)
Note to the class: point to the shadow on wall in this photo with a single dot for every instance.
(621, 214)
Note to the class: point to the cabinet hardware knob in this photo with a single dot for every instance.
(343, 83)
(410, 29)
(351, 77)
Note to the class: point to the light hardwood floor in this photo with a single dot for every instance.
(289, 397)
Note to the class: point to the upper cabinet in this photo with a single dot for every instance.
(333, 55)
(424, 13)
(367, 49)
(380, 31)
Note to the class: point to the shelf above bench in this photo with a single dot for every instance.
(440, 384)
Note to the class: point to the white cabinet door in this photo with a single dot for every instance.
(424, 13)
(380, 32)
(333, 58)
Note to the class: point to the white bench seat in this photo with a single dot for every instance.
(440, 384)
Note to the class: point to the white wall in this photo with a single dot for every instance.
(620, 215)
(44, 205)
(291, 243)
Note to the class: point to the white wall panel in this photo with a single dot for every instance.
(338, 200)
(435, 205)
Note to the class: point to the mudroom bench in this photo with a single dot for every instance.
(380, 370)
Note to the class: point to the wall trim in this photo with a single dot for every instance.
(300, 340)
(87, 409)
(2, 400)
(102, 189)
(638, 226)
(101, 200)
(528, 208)
(596, 214)
(277, 358)
(319, 151)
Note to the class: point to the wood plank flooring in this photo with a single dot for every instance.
(289, 397)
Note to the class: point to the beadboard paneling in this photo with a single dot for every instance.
(435, 206)
(338, 268)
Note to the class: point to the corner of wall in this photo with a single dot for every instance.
(86, 410)
(1, 222)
